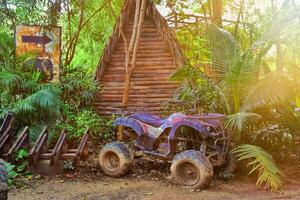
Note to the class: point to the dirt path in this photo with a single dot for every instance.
(129, 188)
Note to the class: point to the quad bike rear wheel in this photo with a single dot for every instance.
(114, 159)
(3, 181)
(192, 169)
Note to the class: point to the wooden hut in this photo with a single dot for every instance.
(158, 56)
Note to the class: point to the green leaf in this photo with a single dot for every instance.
(262, 163)
(265, 94)
(238, 122)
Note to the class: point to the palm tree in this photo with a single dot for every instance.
(238, 78)
(31, 101)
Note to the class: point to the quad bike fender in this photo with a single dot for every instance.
(202, 130)
(131, 123)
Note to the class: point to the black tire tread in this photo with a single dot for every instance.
(3, 181)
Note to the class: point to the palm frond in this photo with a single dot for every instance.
(262, 163)
(185, 73)
(238, 70)
(53, 88)
(45, 100)
(9, 80)
(274, 88)
(249, 72)
(23, 107)
(226, 52)
(238, 122)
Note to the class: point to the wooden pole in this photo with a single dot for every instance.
(135, 25)
(217, 12)
(133, 62)
(120, 133)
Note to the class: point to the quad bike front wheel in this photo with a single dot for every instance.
(192, 169)
(114, 159)
(3, 181)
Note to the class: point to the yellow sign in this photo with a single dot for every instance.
(45, 44)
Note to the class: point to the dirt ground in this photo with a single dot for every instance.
(148, 181)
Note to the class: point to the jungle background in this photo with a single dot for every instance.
(243, 60)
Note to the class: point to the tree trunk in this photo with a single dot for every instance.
(55, 11)
(279, 53)
(238, 19)
(217, 12)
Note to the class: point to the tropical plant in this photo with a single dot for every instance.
(11, 172)
(78, 88)
(249, 90)
(261, 162)
(237, 76)
(19, 169)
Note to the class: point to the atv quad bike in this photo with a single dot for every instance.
(194, 144)
(3, 181)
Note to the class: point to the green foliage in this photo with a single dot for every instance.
(21, 154)
(261, 162)
(78, 88)
(75, 123)
(240, 74)
(275, 139)
(11, 172)
(239, 122)
(19, 169)
(198, 98)
(265, 94)
(93, 36)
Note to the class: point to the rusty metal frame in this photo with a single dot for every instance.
(21, 142)
(37, 148)
(10, 145)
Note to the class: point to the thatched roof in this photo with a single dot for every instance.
(157, 19)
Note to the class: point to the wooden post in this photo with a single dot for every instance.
(217, 12)
(175, 19)
(134, 53)
(120, 133)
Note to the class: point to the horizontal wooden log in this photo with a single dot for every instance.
(134, 80)
(137, 76)
(111, 85)
(142, 62)
(146, 51)
(144, 30)
(157, 38)
(145, 59)
(141, 48)
(144, 43)
(144, 55)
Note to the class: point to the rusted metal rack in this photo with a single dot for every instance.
(41, 158)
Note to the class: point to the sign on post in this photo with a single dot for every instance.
(44, 44)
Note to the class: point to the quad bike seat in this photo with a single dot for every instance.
(152, 120)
